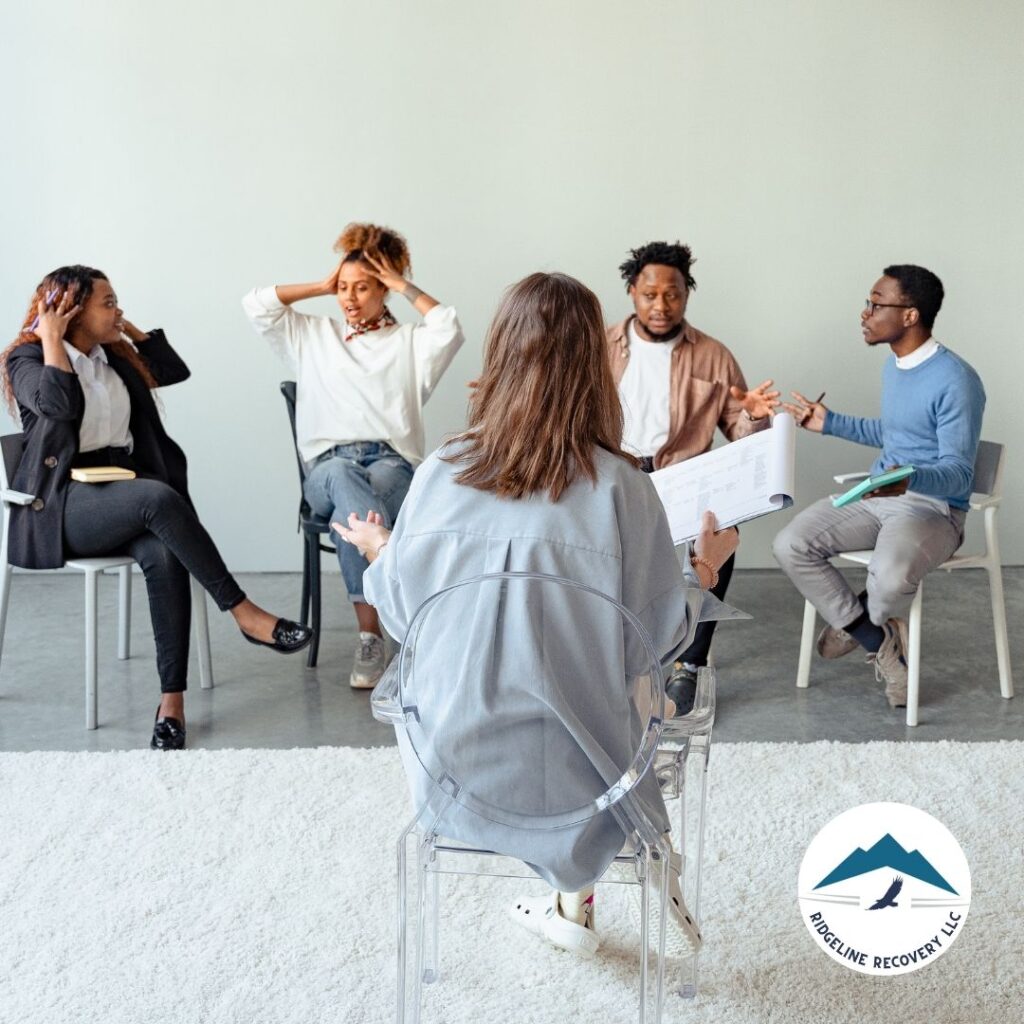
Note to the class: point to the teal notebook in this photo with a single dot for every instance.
(872, 483)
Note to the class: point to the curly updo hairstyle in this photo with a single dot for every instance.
(379, 243)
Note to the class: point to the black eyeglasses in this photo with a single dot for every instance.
(872, 307)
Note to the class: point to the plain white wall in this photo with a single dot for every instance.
(197, 149)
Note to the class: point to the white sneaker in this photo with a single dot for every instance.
(369, 662)
(542, 915)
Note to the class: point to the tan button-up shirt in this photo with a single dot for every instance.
(702, 372)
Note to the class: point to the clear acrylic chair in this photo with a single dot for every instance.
(503, 682)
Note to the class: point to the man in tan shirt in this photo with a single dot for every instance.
(677, 385)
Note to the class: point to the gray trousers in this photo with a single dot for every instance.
(911, 534)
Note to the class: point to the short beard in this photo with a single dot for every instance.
(666, 336)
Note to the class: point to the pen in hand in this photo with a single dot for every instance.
(810, 410)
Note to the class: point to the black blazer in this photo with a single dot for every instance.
(51, 404)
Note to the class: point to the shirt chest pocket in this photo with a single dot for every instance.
(704, 398)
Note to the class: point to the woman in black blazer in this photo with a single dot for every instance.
(85, 398)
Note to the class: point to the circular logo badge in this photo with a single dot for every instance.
(884, 888)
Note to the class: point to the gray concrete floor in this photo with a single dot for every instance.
(262, 699)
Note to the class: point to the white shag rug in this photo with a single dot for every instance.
(259, 886)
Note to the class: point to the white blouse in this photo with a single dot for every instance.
(370, 388)
(108, 408)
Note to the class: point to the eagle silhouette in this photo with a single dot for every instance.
(889, 899)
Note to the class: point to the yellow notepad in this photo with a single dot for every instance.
(100, 474)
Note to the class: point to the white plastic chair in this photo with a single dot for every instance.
(12, 445)
(988, 491)
(521, 645)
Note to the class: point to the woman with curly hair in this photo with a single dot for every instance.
(82, 377)
(361, 384)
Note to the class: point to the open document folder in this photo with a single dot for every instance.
(739, 481)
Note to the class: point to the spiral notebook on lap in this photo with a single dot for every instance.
(739, 481)
(100, 474)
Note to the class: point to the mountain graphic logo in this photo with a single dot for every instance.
(884, 889)
(886, 853)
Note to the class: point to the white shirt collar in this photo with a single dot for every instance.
(74, 354)
(919, 355)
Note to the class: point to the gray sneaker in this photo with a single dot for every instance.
(891, 663)
(369, 662)
(834, 643)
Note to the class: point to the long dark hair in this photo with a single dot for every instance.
(81, 280)
(546, 396)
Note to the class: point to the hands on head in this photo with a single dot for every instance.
(53, 314)
(368, 535)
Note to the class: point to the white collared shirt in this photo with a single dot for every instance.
(371, 387)
(919, 355)
(108, 409)
(644, 393)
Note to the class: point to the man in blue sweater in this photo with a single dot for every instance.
(932, 404)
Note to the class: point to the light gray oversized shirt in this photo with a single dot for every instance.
(612, 535)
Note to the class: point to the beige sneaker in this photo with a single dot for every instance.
(834, 643)
(369, 662)
(891, 663)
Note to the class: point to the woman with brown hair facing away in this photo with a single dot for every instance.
(82, 377)
(361, 384)
(539, 483)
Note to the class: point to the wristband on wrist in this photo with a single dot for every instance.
(411, 292)
(380, 548)
(696, 560)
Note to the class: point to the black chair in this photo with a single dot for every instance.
(312, 527)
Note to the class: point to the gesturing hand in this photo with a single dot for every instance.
(53, 317)
(385, 272)
(809, 415)
(365, 534)
(758, 402)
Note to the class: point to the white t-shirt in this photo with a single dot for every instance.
(371, 388)
(644, 393)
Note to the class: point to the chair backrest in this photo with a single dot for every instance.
(532, 701)
(988, 469)
(12, 446)
(288, 390)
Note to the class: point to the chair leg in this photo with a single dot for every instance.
(304, 601)
(202, 624)
(995, 586)
(314, 593)
(914, 656)
(652, 868)
(124, 612)
(410, 926)
(91, 698)
(430, 879)
(6, 572)
(803, 670)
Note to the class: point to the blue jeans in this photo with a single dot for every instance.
(359, 477)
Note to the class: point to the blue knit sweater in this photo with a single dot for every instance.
(931, 419)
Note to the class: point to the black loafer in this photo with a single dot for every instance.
(289, 637)
(168, 734)
(682, 689)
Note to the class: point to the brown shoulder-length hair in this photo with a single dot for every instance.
(55, 284)
(546, 397)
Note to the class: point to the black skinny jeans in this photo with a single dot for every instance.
(149, 521)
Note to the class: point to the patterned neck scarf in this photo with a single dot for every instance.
(365, 326)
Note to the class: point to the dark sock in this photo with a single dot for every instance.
(866, 633)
